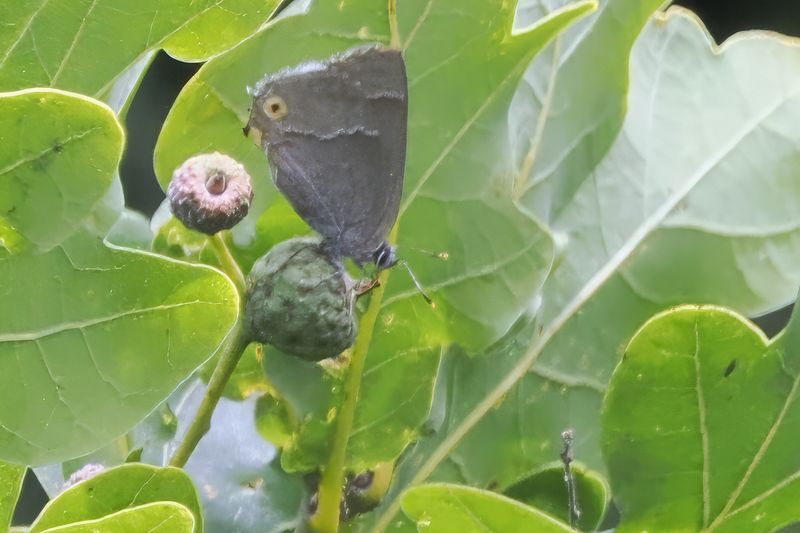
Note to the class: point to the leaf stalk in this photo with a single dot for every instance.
(326, 520)
(232, 351)
(228, 264)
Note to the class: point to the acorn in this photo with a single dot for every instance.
(210, 192)
(301, 301)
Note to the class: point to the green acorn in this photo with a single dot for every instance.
(210, 193)
(300, 301)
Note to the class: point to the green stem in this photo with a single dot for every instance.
(395, 33)
(326, 519)
(232, 350)
(228, 264)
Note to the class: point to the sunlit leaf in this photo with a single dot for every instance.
(441, 508)
(160, 517)
(699, 425)
(58, 154)
(93, 338)
(84, 45)
(124, 487)
(11, 477)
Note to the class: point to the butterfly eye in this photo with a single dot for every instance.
(275, 107)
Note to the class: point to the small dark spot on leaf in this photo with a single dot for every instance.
(493, 485)
(255, 484)
(731, 367)
(57, 147)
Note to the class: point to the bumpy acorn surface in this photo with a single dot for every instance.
(210, 192)
(300, 301)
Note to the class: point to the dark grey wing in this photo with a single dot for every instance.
(340, 161)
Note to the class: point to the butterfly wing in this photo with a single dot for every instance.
(337, 143)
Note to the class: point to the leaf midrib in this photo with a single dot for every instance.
(81, 324)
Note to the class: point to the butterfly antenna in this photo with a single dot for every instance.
(444, 256)
(416, 281)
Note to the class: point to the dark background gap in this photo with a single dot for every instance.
(166, 77)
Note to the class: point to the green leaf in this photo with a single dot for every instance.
(241, 483)
(124, 487)
(618, 241)
(547, 491)
(559, 129)
(699, 425)
(11, 477)
(131, 230)
(93, 338)
(58, 154)
(441, 508)
(120, 94)
(85, 45)
(311, 394)
(671, 239)
(159, 517)
(219, 27)
(274, 421)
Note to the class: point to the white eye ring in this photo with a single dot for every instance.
(275, 107)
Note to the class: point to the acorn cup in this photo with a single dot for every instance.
(301, 301)
(210, 193)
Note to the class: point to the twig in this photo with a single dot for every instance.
(395, 33)
(228, 264)
(232, 351)
(568, 437)
(326, 520)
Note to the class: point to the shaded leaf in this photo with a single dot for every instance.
(546, 490)
(11, 477)
(559, 129)
(52, 176)
(124, 487)
(107, 210)
(699, 425)
(636, 204)
(444, 508)
(159, 517)
(94, 338)
(120, 94)
(241, 485)
(131, 230)
(312, 394)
